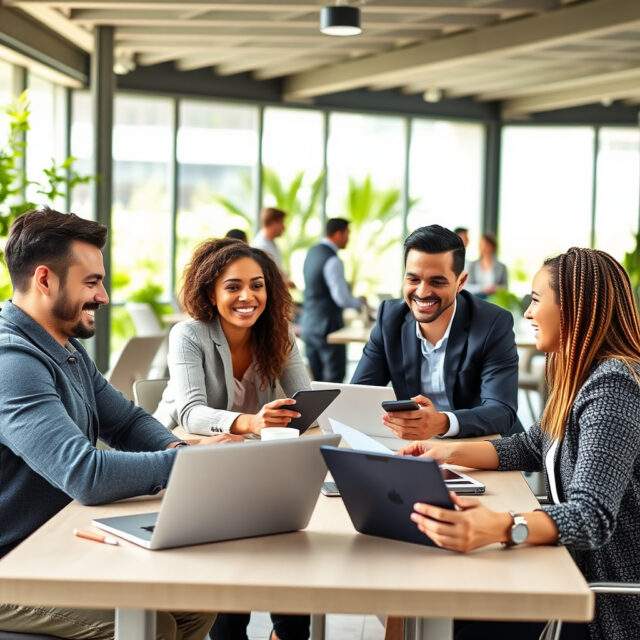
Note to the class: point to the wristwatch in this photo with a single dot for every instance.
(519, 530)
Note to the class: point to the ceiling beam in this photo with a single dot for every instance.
(570, 23)
(505, 8)
(594, 89)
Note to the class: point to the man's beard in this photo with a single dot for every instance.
(65, 310)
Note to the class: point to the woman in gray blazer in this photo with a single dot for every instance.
(587, 442)
(234, 365)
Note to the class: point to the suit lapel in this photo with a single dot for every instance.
(456, 346)
(411, 357)
(222, 347)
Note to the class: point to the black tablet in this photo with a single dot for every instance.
(379, 490)
(310, 404)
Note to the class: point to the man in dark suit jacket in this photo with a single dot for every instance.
(454, 354)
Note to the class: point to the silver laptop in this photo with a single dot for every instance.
(253, 489)
(358, 405)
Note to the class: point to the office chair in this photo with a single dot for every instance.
(134, 362)
(148, 393)
(12, 635)
(147, 323)
(553, 628)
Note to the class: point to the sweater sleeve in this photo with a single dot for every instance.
(607, 414)
(37, 427)
(521, 452)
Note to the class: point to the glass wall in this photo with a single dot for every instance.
(217, 155)
(446, 175)
(545, 196)
(141, 216)
(46, 138)
(6, 90)
(618, 175)
(365, 160)
(292, 156)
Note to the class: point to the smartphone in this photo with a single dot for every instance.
(400, 405)
(329, 489)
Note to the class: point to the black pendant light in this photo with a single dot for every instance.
(340, 20)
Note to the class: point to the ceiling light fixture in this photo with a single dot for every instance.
(123, 63)
(340, 20)
(432, 95)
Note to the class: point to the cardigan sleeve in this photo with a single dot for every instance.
(606, 414)
(521, 452)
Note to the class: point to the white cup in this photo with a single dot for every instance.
(279, 433)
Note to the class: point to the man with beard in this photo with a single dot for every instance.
(451, 353)
(54, 404)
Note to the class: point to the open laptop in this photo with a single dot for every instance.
(253, 489)
(379, 491)
(358, 405)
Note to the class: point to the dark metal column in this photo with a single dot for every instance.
(173, 199)
(258, 174)
(102, 92)
(594, 184)
(491, 177)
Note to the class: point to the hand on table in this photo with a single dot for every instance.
(421, 424)
(440, 452)
(470, 526)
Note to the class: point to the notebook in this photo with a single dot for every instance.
(241, 481)
(358, 405)
(380, 489)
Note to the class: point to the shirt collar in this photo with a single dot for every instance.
(427, 347)
(330, 244)
(36, 333)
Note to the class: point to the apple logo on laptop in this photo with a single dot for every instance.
(395, 497)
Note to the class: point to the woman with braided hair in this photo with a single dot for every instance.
(587, 443)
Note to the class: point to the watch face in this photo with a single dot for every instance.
(519, 533)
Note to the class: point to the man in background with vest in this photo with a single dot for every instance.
(326, 294)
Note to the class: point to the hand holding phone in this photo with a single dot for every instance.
(400, 405)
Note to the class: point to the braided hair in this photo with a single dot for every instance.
(598, 320)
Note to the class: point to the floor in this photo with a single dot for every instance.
(339, 627)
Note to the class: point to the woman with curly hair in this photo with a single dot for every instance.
(230, 364)
(587, 442)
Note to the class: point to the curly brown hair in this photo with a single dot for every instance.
(271, 340)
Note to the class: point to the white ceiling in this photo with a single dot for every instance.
(531, 55)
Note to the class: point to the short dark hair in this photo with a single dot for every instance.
(461, 230)
(44, 236)
(236, 234)
(335, 224)
(436, 239)
(491, 238)
(269, 215)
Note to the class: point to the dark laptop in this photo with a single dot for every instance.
(379, 491)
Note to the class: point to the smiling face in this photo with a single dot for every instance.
(430, 285)
(240, 294)
(544, 313)
(79, 293)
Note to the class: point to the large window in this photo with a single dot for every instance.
(46, 136)
(217, 155)
(446, 176)
(618, 173)
(545, 196)
(6, 90)
(142, 152)
(365, 157)
(292, 160)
